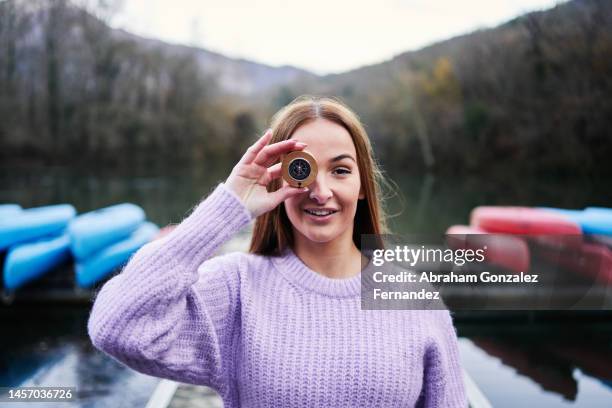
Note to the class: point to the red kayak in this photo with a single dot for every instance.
(591, 260)
(508, 251)
(549, 228)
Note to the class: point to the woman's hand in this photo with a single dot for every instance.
(254, 171)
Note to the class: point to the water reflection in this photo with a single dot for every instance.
(425, 203)
(549, 371)
(49, 347)
(166, 197)
(571, 363)
(433, 203)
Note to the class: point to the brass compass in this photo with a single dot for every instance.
(299, 168)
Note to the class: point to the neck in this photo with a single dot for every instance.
(336, 259)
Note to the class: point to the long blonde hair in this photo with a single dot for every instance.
(272, 232)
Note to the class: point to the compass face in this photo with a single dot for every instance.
(299, 169)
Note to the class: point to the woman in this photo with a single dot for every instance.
(281, 325)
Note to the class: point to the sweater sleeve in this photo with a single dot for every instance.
(443, 377)
(171, 312)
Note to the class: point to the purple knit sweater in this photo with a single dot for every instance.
(268, 331)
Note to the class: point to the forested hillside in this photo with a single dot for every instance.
(534, 94)
(74, 90)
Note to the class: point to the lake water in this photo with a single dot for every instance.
(535, 362)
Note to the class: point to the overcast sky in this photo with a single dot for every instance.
(319, 35)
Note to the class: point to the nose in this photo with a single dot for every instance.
(319, 190)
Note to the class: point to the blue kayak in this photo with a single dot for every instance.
(34, 223)
(9, 210)
(95, 230)
(99, 266)
(26, 262)
(592, 220)
(601, 211)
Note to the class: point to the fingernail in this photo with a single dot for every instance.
(300, 144)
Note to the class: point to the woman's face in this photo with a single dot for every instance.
(336, 188)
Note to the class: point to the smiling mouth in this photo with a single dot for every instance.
(321, 213)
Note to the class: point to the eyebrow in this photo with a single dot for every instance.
(342, 156)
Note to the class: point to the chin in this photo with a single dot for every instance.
(320, 238)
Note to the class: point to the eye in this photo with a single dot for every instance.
(342, 170)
